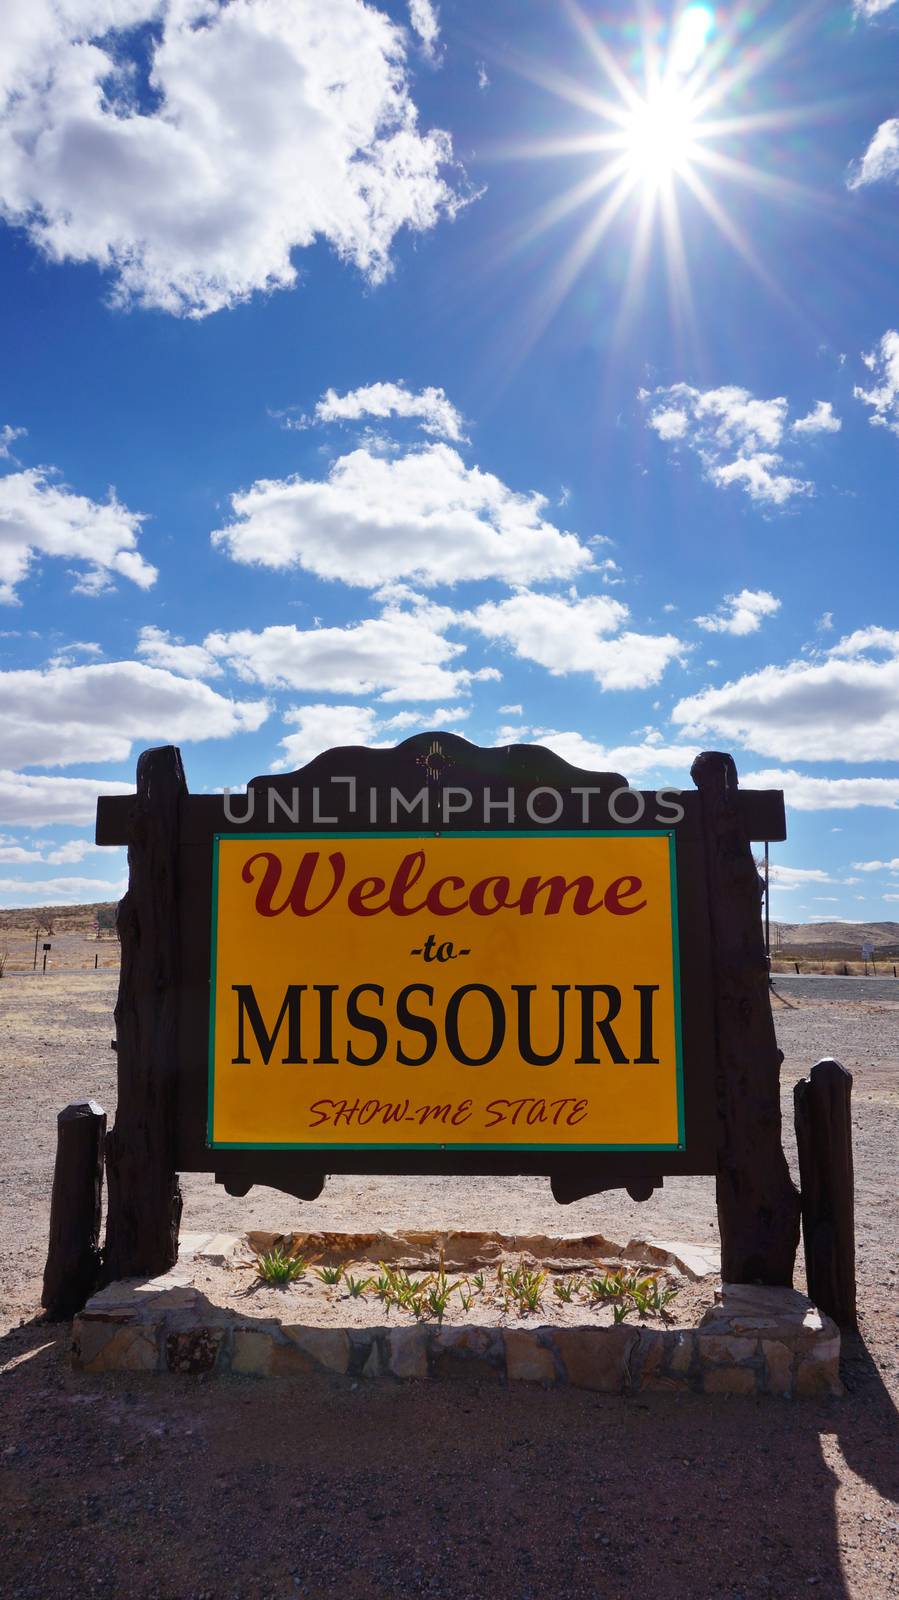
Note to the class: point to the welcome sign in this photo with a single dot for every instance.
(427, 990)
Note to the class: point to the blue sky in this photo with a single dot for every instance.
(530, 370)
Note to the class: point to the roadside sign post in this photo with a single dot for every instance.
(445, 959)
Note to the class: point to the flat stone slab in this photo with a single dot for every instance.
(752, 1341)
(464, 1251)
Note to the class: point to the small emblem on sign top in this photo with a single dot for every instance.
(435, 761)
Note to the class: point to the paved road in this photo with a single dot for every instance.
(824, 986)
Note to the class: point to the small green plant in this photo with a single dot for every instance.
(383, 1287)
(329, 1274)
(529, 1290)
(438, 1290)
(408, 1293)
(356, 1286)
(659, 1297)
(278, 1267)
(606, 1286)
(437, 1298)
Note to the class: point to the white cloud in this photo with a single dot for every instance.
(61, 855)
(8, 437)
(762, 481)
(740, 613)
(736, 436)
(40, 517)
(326, 727)
(863, 639)
(425, 20)
(670, 423)
(571, 635)
(190, 660)
(97, 713)
(842, 708)
(632, 760)
(803, 793)
(437, 414)
(424, 516)
(795, 877)
(57, 891)
(880, 160)
(29, 800)
(68, 653)
(266, 126)
(14, 855)
(877, 866)
(819, 420)
(400, 655)
(434, 717)
(883, 398)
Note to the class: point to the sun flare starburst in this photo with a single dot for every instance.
(663, 130)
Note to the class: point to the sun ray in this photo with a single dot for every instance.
(679, 291)
(627, 92)
(734, 235)
(572, 264)
(571, 200)
(772, 183)
(669, 121)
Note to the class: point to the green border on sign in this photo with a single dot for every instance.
(458, 833)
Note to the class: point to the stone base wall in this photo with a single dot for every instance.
(753, 1341)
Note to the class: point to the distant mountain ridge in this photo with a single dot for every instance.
(843, 937)
(839, 936)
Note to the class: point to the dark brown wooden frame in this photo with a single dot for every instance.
(732, 1107)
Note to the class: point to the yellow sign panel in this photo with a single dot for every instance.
(457, 990)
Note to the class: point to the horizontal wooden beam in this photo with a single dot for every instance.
(761, 810)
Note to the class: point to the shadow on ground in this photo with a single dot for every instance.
(221, 1487)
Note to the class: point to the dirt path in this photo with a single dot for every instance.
(322, 1488)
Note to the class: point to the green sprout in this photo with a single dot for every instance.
(529, 1289)
(278, 1267)
(356, 1286)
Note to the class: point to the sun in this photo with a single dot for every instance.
(661, 136)
(662, 130)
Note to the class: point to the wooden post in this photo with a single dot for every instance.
(144, 1208)
(73, 1255)
(822, 1103)
(758, 1206)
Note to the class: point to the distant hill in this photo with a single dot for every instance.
(64, 919)
(840, 938)
(844, 939)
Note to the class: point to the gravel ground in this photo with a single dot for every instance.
(322, 1487)
(825, 986)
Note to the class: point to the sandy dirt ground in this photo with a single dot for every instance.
(327, 1487)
